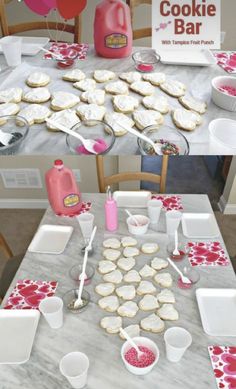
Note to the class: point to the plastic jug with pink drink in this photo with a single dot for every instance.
(113, 36)
(63, 193)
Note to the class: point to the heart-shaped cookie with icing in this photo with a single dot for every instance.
(111, 324)
(186, 120)
(152, 323)
(35, 113)
(63, 100)
(109, 303)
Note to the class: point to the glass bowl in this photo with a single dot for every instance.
(193, 276)
(76, 271)
(71, 296)
(13, 125)
(183, 248)
(146, 61)
(172, 141)
(69, 58)
(92, 129)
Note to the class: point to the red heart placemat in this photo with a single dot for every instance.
(207, 254)
(28, 294)
(170, 203)
(68, 51)
(85, 208)
(223, 361)
(226, 61)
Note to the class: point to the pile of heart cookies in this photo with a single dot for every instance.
(127, 287)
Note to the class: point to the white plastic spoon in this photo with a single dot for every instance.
(184, 279)
(176, 251)
(52, 54)
(133, 217)
(88, 143)
(5, 138)
(130, 340)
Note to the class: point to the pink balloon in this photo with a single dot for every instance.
(51, 3)
(38, 6)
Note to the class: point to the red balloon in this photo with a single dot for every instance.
(38, 7)
(70, 8)
(51, 3)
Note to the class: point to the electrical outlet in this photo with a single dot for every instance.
(77, 175)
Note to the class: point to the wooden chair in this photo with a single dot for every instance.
(22, 27)
(141, 32)
(105, 181)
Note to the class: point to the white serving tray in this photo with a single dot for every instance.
(200, 225)
(51, 239)
(218, 311)
(31, 45)
(187, 57)
(132, 199)
(17, 333)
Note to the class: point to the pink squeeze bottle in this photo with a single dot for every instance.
(63, 193)
(111, 212)
(113, 35)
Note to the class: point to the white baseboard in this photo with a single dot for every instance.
(23, 204)
(226, 209)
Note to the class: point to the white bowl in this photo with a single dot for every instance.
(140, 341)
(221, 99)
(138, 230)
(223, 136)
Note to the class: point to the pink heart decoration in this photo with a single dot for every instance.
(28, 290)
(163, 26)
(39, 7)
(35, 299)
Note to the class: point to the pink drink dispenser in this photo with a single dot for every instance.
(63, 193)
(113, 35)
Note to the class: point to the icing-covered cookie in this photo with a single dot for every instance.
(155, 78)
(148, 303)
(85, 85)
(105, 289)
(126, 264)
(125, 104)
(157, 103)
(143, 88)
(152, 323)
(35, 113)
(164, 280)
(74, 75)
(67, 118)
(146, 287)
(147, 118)
(109, 303)
(173, 88)
(96, 96)
(186, 120)
(63, 100)
(37, 95)
(166, 296)
(147, 271)
(112, 243)
(132, 276)
(131, 77)
(115, 277)
(8, 109)
(192, 104)
(159, 263)
(91, 112)
(133, 331)
(117, 88)
(126, 292)
(11, 95)
(149, 248)
(111, 324)
(38, 79)
(128, 309)
(103, 75)
(105, 267)
(128, 241)
(111, 254)
(131, 252)
(168, 312)
(117, 120)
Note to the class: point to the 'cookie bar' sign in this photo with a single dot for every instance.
(186, 24)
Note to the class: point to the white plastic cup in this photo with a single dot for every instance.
(177, 341)
(52, 310)
(74, 367)
(173, 219)
(12, 48)
(86, 221)
(154, 210)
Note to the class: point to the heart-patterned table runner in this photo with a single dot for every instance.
(223, 361)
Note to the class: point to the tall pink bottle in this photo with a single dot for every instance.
(63, 193)
(111, 212)
(113, 35)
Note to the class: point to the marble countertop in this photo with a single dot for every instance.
(83, 333)
(197, 79)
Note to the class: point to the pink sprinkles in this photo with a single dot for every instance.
(147, 359)
(229, 90)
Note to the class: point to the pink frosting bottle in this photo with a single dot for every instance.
(111, 212)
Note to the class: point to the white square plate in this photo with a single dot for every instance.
(200, 225)
(132, 199)
(187, 57)
(50, 239)
(31, 45)
(217, 309)
(17, 333)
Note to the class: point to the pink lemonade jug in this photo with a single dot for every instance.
(113, 36)
(63, 193)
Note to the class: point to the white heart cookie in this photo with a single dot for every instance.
(104, 75)
(111, 255)
(132, 276)
(133, 331)
(67, 118)
(128, 309)
(155, 78)
(111, 324)
(131, 252)
(128, 241)
(159, 264)
(173, 88)
(126, 264)
(8, 109)
(91, 112)
(105, 267)
(131, 77)
(148, 303)
(96, 96)
(192, 104)
(105, 289)
(186, 120)
(74, 75)
(117, 88)
(85, 85)
(37, 95)
(11, 95)
(35, 113)
(168, 312)
(147, 118)
(147, 271)
(153, 323)
(63, 100)
(37, 79)
(146, 287)
(125, 104)
(117, 120)
(166, 296)
(109, 303)
(115, 277)
(164, 280)
(112, 243)
(126, 292)
(157, 103)
(143, 88)
(149, 248)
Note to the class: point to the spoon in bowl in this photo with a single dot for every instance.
(133, 217)
(176, 251)
(5, 138)
(184, 279)
(130, 340)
